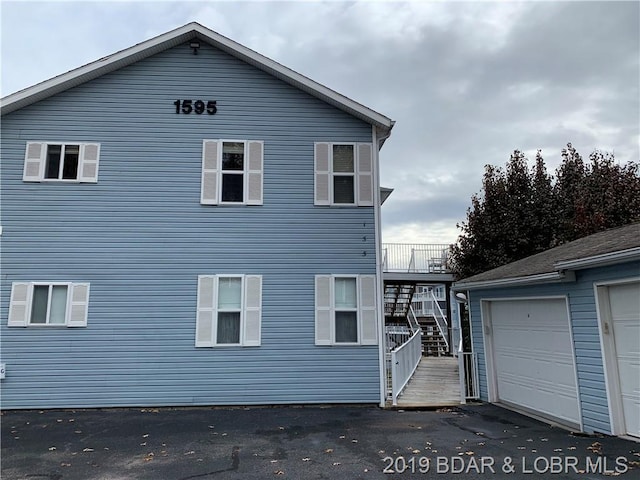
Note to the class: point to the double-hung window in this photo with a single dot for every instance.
(229, 310)
(343, 174)
(48, 304)
(346, 310)
(64, 162)
(232, 172)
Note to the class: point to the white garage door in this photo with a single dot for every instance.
(533, 359)
(625, 316)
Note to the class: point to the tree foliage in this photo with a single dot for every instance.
(524, 210)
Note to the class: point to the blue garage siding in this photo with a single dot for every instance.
(586, 338)
(140, 237)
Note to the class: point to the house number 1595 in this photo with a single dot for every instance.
(197, 106)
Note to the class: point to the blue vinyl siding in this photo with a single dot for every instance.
(586, 337)
(140, 237)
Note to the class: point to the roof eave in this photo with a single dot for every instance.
(175, 37)
(602, 260)
(550, 277)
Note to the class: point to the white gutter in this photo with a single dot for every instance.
(378, 141)
(560, 276)
(600, 260)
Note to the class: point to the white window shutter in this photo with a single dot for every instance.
(252, 310)
(365, 175)
(367, 310)
(210, 169)
(34, 162)
(89, 157)
(19, 305)
(78, 305)
(322, 177)
(254, 172)
(324, 309)
(206, 310)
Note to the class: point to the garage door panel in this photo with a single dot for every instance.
(533, 358)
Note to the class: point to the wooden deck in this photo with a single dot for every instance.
(435, 383)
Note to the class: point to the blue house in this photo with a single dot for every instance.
(187, 222)
(557, 334)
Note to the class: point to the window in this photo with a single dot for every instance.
(48, 304)
(70, 162)
(229, 310)
(343, 174)
(439, 292)
(344, 179)
(232, 172)
(346, 310)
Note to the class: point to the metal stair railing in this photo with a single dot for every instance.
(441, 319)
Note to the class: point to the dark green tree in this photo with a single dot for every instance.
(522, 211)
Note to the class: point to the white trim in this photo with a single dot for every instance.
(176, 37)
(600, 260)
(608, 352)
(565, 276)
(245, 160)
(214, 330)
(575, 362)
(377, 203)
(353, 175)
(334, 309)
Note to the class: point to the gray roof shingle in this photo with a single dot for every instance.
(601, 243)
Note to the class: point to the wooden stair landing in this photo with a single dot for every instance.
(435, 383)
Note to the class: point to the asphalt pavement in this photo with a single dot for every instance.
(303, 442)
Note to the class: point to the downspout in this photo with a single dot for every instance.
(377, 142)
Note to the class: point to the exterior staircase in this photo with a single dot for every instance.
(433, 343)
(397, 300)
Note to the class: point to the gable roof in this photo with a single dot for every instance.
(180, 36)
(616, 245)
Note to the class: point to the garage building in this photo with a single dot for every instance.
(557, 334)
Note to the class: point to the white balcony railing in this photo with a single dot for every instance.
(404, 361)
(415, 257)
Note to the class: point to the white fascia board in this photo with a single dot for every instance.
(552, 277)
(175, 37)
(601, 260)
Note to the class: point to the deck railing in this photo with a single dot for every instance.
(404, 361)
(405, 357)
(415, 257)
(468, 368)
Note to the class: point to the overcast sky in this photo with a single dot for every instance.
(467, 83)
